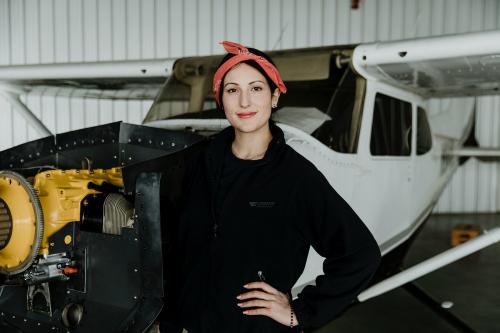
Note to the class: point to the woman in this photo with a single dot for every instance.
(251, 210)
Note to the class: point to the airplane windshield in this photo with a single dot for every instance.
(324, 101)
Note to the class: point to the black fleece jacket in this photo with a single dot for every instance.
(275, 210)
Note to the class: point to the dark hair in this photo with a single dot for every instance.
(252, 63)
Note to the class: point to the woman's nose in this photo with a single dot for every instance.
(244, 99)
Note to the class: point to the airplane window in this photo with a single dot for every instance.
(391, 127)
(424, 135)
(345, 107)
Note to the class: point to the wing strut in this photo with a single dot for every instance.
(482, 154)
(38, 125)
(447, 257)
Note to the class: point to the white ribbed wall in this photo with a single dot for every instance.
(52, 31)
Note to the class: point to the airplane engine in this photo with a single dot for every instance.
(41, 223)
(81, 247)
(33, 210)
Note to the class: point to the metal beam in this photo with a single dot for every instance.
(24, 111)
(473, 152)
(92, 70)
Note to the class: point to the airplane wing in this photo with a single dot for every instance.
(444, 66)
(130, 79)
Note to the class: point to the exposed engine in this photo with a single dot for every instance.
(38, 232)
(81, 248)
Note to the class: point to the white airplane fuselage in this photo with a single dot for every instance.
(393, 195)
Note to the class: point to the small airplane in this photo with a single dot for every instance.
(82, 229)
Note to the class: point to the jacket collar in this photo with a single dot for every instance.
(218, 147)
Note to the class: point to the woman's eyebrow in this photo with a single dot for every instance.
(256, 81)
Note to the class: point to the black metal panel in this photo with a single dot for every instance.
(172, 164)
(147, 208)
(99, 144)
(113, 289)
(147, 204)
(144, 143)
(35, 153)
(106, 146)
(113, 281)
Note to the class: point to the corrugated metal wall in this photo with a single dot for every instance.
(52, 31)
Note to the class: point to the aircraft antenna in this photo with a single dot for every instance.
(415, 26)
(282, 31)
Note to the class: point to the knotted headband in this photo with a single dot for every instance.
(243, 54)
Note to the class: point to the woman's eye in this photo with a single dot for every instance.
(231, 90)
(257, 88)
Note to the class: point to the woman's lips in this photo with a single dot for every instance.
(244, 115)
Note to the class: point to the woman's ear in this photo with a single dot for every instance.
(275, 97)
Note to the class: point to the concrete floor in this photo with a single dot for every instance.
(472, 284)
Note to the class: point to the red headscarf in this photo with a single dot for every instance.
(243, 54)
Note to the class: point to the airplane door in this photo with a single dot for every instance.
(385, 147)
(426, 168)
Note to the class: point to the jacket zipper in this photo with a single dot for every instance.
(215, 229)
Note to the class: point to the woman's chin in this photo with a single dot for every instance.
(248, 127)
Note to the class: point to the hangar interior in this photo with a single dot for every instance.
(89, 31)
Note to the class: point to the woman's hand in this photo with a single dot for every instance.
(269, 301)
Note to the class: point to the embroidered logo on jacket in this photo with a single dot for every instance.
(262, 204)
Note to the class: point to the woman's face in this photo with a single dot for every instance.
(247, 98)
